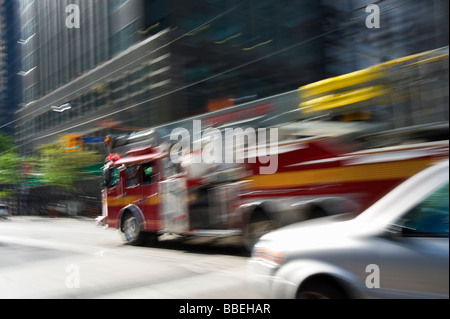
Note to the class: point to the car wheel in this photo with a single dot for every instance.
(320, 290)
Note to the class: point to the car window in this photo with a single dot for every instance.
(430, 218)
(132, 176)
(149, 171)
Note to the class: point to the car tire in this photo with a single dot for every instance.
(320, 290)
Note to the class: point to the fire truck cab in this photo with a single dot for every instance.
(145, 193)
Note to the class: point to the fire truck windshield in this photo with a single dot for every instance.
(111, 176)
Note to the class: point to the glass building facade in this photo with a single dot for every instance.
(134, 64)
(10, 65)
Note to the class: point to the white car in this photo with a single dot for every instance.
(398, 248)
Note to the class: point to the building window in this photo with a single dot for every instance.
(24, 4)
(29, 62)
(29, 29)
(29, 94)
(116, 4)
(123, 39)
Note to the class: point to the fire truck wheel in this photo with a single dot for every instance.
(132, 231)
(259, 225)
(316, 212)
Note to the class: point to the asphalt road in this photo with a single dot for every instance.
(43, 258)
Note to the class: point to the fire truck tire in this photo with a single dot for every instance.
(132, 231)
(316, 212)
(258, 225)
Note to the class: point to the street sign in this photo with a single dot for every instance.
(71, 142)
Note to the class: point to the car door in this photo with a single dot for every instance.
(415, 264)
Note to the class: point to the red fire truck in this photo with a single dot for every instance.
(146, 194)
(326, 166)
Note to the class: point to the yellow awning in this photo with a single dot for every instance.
(346, 98)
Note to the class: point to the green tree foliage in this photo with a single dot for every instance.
(9, 161)
(6, 143)
(9, 168)
(53, 166)
(60, 168)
